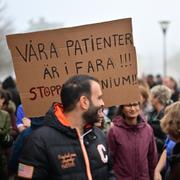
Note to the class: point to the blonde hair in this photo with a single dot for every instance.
(143, 83)
(144, 92)
(170, 123)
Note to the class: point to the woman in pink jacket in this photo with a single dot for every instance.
(132, 144)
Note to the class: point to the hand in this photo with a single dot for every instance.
(157, 175)
(26, 122)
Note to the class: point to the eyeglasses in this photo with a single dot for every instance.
(132, 105)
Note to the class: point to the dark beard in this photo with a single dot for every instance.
(91, 115)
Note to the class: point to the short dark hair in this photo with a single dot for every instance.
(5, 95)
(73, 89)
(119, 111)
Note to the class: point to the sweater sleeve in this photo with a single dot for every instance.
(112, 143)
(152, 156)
(7, 124)
(33, 163)
(19, 116)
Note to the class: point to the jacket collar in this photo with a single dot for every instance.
(59, 113)
(120, 121)
(55, 118)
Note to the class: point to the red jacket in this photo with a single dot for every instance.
(133, 150)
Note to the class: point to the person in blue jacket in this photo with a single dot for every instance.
(22, 122)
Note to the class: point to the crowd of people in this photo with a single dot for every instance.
(79, 138)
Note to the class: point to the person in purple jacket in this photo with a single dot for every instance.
(132, 144)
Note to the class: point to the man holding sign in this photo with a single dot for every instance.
(105, 50)
(69, 146)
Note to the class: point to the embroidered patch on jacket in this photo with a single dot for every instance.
(25, 171)
(67, 160)
(103, 153)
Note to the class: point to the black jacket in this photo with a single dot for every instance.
(174, 160)
(154, 121)
(55, 152)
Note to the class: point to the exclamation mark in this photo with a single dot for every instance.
(125, 57)
(121, 60)
(133, 79)
(129, 59)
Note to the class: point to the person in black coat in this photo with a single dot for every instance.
(160, 98)
(68, 145)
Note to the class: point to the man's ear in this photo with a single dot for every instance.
(84, 102)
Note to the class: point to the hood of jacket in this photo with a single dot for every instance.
(120, 122)
(52, 120)
(55, 118)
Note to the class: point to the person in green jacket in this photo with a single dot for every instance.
(5, 125)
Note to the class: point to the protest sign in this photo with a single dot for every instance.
(44, 60)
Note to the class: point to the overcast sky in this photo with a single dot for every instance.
(145, 14)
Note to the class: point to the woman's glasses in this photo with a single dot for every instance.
(132, 105)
